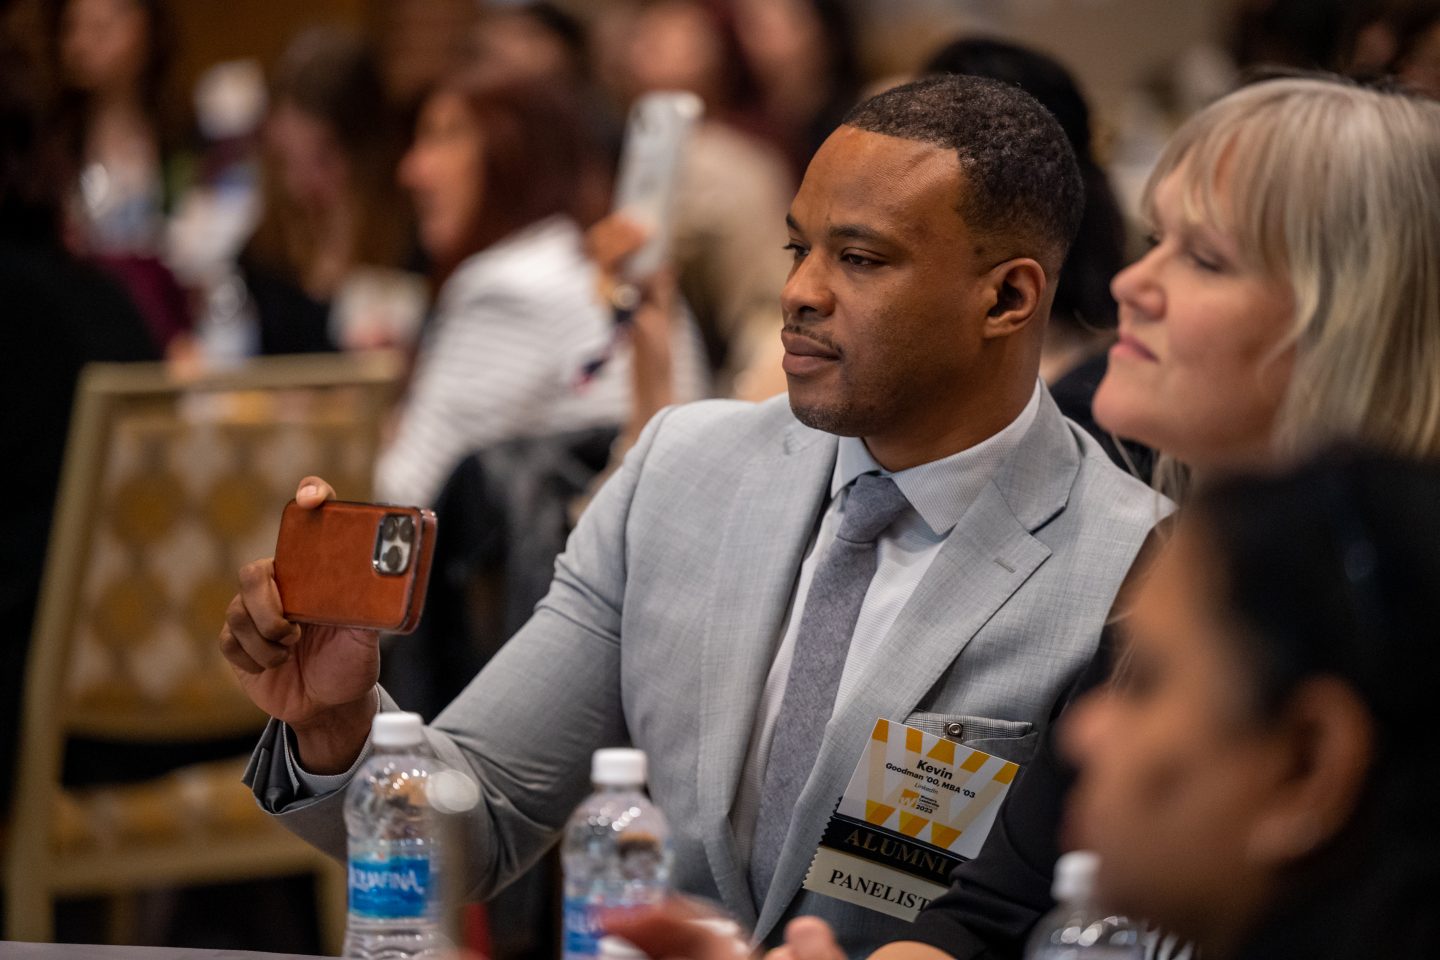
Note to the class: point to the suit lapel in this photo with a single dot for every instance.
(989, 554)
(761, 545)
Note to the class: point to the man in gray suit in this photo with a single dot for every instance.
(716, 599)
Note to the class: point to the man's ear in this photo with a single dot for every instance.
(1018, 287)
(1326, 737)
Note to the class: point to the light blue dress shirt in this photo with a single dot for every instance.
(939, 492)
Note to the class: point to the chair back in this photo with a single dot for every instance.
(169, 486)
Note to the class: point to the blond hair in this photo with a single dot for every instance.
(1334, 188)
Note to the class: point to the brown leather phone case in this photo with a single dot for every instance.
(354, 564)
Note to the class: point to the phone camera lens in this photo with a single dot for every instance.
(407, 529)
(392, 559)
(387, 528)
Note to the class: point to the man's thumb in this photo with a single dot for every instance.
(810, 938)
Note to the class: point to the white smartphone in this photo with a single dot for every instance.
(656, 133)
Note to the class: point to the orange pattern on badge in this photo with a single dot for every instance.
(945, 788)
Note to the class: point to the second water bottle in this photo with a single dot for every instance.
(1078, 929)
(615, 852)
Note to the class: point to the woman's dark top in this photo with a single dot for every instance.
(60, 314)
(995, 899)
(1075, 392)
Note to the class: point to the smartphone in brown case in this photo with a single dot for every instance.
(354, 564)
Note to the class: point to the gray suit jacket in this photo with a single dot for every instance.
(666, 610)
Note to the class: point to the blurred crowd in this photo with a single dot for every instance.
(307, 207)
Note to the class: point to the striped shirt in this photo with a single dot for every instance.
(514, 325)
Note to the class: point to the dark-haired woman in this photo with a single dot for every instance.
(113, 58)
(332, 207)
(61, 315)
(1259, 777)
(494, 173)
(121, 147)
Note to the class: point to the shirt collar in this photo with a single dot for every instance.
(941, 490)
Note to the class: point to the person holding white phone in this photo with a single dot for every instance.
(492, 173)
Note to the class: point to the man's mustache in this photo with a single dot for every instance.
(810, 333)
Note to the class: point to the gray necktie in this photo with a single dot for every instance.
(821, 644)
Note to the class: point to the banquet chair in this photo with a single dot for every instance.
(169, 485)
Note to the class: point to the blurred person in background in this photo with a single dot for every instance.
(1267, 726)
(494, 172)
(734, 187)
(1082, 322)
(1400, 39)
(1255, 38)
(693, 45)
(538, 42)
(122, 144)
(114, 59)
(1299, 34)
(804, 59)
(533, 41)
(331, 203)
(61, 313)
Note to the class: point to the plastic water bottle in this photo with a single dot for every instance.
(1077, 929)
(395, 869)
(616, 850)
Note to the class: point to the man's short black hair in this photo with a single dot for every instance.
(1022, 187)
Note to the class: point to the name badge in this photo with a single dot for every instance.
(917, 806)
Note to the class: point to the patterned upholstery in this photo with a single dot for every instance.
(183, 506)
(169, 488)
(198, 801)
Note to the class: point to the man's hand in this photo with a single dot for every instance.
(609, 242)
(669, 932)
(653, 305)
(319, 680)
(810, 938)
(807, 938)
(672, 931)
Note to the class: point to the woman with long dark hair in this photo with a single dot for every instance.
(494, 172)
(331, 204)
(113, 58)
(121, 147)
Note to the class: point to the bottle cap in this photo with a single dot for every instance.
(396, 729)
(1075, 875)
(618, 767)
